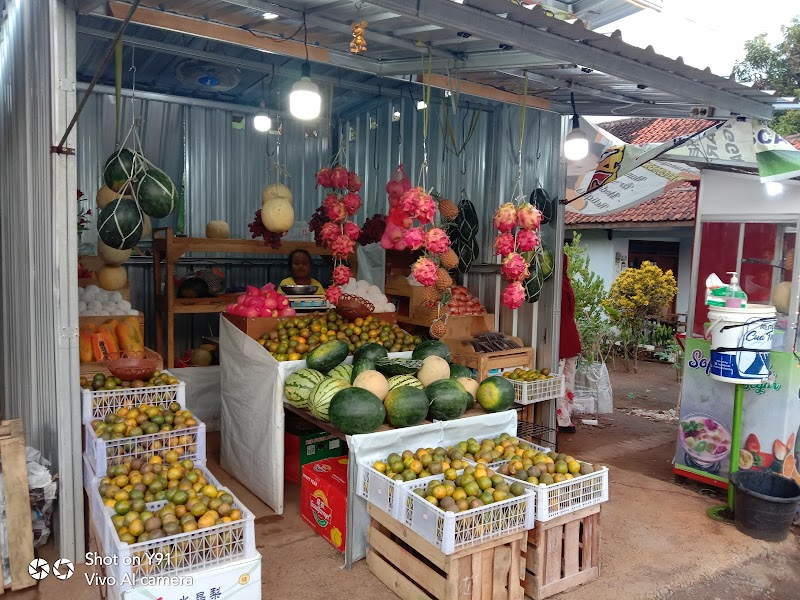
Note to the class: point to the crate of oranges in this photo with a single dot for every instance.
(532, 386)
(102, 393)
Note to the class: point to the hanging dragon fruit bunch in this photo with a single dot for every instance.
(516, 243)
(340, 233)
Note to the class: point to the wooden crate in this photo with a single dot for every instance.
(255, 327)
(18, 504)
(563, 554)
(483, 362)
(415, 570)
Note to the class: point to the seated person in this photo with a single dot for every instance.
(300, 263)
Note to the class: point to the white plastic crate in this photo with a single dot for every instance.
(531, 392)
(381, 491)
(499, 463)
(451, 532)
(103, 453)
(188, 552)
(97, 404)
(570, 496)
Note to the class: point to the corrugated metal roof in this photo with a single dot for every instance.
(467, 41)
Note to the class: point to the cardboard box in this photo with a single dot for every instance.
(323, 499)
(303, 443)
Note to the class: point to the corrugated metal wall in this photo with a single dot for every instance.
(38, 237)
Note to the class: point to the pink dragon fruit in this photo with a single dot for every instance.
(341, 275)
(425, 271)
(529, 217)
(514, 267)
(410, 201)
(513, 295)
(504, 244)
(351, 230)
(426, 211)
(333, 293)
(329, 232)
(340, 178)
(342, 246)
(353, 182)
(436, 241)
(324, 177)
(527, 240)
(331, 200)
(414, 238)
(336, 212)
(506, 217)
(352, 202)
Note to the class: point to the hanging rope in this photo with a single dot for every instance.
(426, 98)
(521, 112)
(118, 92)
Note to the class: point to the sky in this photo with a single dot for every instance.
(707, 33)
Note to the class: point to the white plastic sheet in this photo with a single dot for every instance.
(372, 264)
(593, 393)
(374, 446)
(203, 393)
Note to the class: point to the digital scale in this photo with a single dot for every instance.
(309, 303)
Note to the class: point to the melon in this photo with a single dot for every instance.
(120, 224)
(448, 400)
(202, 358)
(471, 386)
(277, 215)
(372, 381)
(218, 230)
(404, 381)
(355, 410)
(320, 399)
(104, 196)
(300, 384)
(782, 297)
(112, 278)
(406, 406)
(156, 193)
(147, 227)
(120, 168)
(276, 191)
(343, 372)
(112, 256)
(433, 369)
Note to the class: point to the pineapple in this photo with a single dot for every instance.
(431, 295)
(449, 259)
(438, 329)
(444, 281)
(448, 209)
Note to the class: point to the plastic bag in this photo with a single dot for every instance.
(593, 393)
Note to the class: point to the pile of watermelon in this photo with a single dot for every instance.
(359, 398)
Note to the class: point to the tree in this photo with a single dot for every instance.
(777, 69)
(590, 294)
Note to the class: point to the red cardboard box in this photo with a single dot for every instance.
(323, 499)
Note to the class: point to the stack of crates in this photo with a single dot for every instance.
(216, 553)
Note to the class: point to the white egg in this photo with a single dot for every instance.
(92, 289)
(115, 297)
(94, 306)
(81, 306)
(390, 308)
(103, 313)
(124, 305)
(133, 312)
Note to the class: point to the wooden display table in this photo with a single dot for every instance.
(170, 249)
(484, 362)
(414, 569)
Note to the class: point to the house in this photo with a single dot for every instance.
(660, 230)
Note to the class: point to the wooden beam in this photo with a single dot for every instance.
(480, 90)
(215, 31)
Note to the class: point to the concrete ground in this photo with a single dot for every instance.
(657, 542)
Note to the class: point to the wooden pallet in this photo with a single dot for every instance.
(18, 504)
(563, 553)
(414, 569)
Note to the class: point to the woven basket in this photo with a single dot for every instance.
(353, 307)
(130, 366)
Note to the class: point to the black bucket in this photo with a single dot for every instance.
(765, 504)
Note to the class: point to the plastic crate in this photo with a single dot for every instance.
(531, 392)
(570, 496)
(499, 463)
(380, 490)
(451, 532)
(188, 552)
(97, 404)
(103, 453)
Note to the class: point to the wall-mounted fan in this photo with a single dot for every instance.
(203, 76)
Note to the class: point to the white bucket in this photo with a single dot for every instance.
(741, 340)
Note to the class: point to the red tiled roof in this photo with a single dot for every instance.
(794, 140)
(647, 131)
(677, 206)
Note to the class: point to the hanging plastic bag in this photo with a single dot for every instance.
(398, 185)
(593, 392)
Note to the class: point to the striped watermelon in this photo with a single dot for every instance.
(321, 396)
(343, 372)
(300, 384)
(404, 380)
(157, 194)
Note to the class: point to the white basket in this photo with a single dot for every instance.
(104, 453)
(97, 404)
(500, 462)
(570, 496)
(381, 491)
(189, 552)
(531, 392)
(450, 531)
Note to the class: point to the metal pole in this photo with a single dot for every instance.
(111, 50)
(736, 439)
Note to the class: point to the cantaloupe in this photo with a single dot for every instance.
(112, 256)
(218, 230)
(277, 215)
(373, 382)
(782, 297)
(105, 195)
(112, 278)
(276, 191)
(433, 369)
(147, 227)
(470, 385)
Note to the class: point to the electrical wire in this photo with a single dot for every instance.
(277, 38)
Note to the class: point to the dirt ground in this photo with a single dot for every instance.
(657, 542)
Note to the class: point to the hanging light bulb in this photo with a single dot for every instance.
(576, 146)
(305, 101)
(261, 121)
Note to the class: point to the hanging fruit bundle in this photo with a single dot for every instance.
(463, 231)
(517, 243)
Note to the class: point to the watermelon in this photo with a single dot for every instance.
(157, 194)
(343, 372)
(406, 406)
(457, 371)
(541, 200)
(495, 394)
(356, 410)
(326, 356)
(405, 381)
(300, 384)
(431, 348)
(361, 365)
(120, 168)
(372, 351)
(397, 366)
(546, 262)
(320, 398)
(448, 398)
(120, 224)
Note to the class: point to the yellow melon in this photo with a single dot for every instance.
(277, 215)
(112, 256)
(112, 278)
